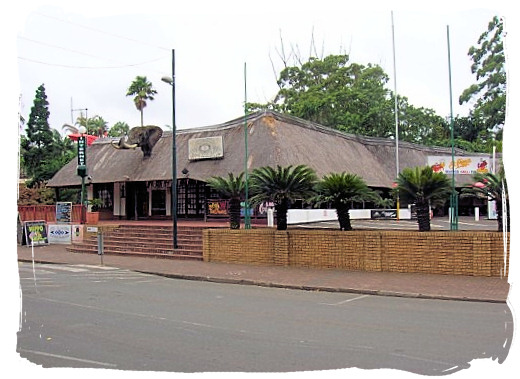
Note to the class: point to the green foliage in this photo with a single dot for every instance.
(119, 129)
(95, 204)
(43, 151)
(232, 188)
(423, 187)
(489, 93)
(282, 186)
(340, 190)
(493, 187)
(142, 90)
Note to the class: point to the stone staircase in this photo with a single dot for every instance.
(145, 241)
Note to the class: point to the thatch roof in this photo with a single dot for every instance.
(273, 139)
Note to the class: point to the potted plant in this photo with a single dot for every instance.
(93, 215)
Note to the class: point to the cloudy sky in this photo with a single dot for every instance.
(87, 55)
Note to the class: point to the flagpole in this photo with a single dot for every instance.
(396, 117)
(247, 216)
(454, 211)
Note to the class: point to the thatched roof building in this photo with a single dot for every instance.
(273, 139)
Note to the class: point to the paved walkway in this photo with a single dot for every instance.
(449, 287)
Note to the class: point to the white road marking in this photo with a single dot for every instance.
(67, 268)
(67, 358)
(347, 301)
(108, 268)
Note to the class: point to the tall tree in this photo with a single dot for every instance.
(351, 97)
(142, 90)
(489, 93)
(120, 128)
(36, 149)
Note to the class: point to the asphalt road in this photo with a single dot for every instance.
(110, 318)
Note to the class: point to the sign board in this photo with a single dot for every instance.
(35, 232)
(60, 234)
(77, 233)
(64, 212)
(92, 229)
(383, 213)
(82, 154)
(463, 165)
(205, 148)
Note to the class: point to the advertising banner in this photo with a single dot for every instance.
(60, 234)
(35, 232)
(463, 165)
(77, 233)
(64, 212)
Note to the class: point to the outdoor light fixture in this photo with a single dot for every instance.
(171, 81)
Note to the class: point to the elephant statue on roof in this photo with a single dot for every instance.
(141, 136)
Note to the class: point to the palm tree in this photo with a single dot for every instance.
(340, 190)
(97, 126)
(232, 188)
(492, 187)
(142, 89)
(425, 188)
(282, 186)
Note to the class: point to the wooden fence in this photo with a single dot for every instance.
(45, 212)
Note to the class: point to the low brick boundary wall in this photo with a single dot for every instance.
(473, 253)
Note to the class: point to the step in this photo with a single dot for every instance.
(169, 254)
(138, 247)
(134, 242)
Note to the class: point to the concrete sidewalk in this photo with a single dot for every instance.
(429, 286)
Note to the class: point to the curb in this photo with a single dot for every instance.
(323, 289)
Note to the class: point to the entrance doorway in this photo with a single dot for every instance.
(136, 200)
(191, 198)
(158, 202)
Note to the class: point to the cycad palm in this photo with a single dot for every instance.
(493, 187)
(143, 90)
(422, 186)
(232, 188)
(282, 186)
(340, 190)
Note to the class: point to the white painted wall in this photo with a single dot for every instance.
(298, 216)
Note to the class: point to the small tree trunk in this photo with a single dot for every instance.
(281, 214)
(500, 217)
(423, 217)
(234, 214)
(343, 217)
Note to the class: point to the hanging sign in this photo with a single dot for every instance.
(82, 155)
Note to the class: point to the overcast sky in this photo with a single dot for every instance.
(88, 53)
(87, 56)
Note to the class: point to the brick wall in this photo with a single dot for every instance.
(457, 253)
